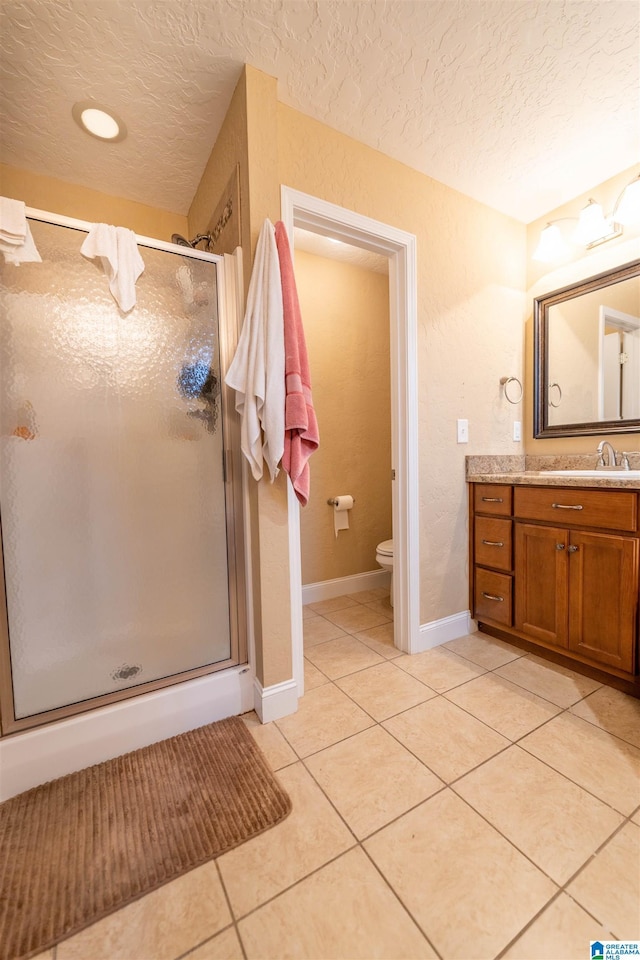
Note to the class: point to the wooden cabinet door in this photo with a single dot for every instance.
(541, 583)
(603, 592)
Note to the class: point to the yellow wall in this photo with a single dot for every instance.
(70, 200)
(247, 138)
(471, 282)
(230, 150)
(273, 519)
(346, 320)
(579, 265)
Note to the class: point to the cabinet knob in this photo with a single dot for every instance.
(492, 500)
(567, 506)
(573, 549)
(560, 546)
(493, 596)
(493, 543)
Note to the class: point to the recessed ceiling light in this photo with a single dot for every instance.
(99, 121)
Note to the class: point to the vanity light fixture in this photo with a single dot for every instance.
(627, 207)
(593, 226)
(552, 245)
(99, 121)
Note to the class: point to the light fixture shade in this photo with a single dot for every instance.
(551, 245)
(592, 225)
(99, 121)
(628, 207)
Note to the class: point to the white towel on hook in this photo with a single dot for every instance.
(13, 220)
(117, 250)
(16, 241)
(257, 370)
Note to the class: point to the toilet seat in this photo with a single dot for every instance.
(385, 548)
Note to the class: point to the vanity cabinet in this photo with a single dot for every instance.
(559, 567)
(542, 599)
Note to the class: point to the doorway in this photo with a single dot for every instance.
(619, 367)
(329, 220)
(344, 298)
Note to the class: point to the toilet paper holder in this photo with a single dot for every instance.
(333, 501)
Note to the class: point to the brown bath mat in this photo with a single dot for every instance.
(78, 848)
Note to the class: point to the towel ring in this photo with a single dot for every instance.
(559, 389)
(505, 381)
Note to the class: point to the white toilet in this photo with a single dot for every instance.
(384, 556)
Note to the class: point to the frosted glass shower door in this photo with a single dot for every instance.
(115, 534)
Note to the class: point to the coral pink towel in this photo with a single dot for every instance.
(301, 436)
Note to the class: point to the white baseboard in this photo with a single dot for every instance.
(36, 756)
(276, 701)
(327, 589)
(441, 631)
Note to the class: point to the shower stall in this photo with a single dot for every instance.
(121, 514)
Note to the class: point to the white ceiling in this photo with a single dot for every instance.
(518, 103)
(332, 249)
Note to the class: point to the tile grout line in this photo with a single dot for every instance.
(443, 695)
(358, 844)
(228, 926)
(238, 918)
(530, 923)
(399, 899)
(563, 889)
(560, 888)
(562, 709)
(444, 787)
(231, 910)
(518, 742)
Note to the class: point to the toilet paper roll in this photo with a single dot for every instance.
(341, 509)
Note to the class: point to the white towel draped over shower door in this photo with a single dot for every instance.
(117, 250)
(16, 241)
(257, 370)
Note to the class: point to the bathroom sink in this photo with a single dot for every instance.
(603, 474)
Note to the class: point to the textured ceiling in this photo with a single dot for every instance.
(337, 250)
(518, 103)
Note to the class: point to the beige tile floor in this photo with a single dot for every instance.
(468, 802)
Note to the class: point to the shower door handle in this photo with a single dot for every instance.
(227, 466)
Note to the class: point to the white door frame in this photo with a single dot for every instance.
(624, 322)
(302, 210)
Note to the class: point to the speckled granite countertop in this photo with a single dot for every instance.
(533, 470)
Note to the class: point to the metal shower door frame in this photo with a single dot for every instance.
(228, 332)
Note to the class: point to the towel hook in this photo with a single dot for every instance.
(559, 389)
(505, 381)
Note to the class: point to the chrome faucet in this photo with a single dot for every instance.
(605, 446)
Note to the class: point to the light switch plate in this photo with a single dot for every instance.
(463, 431)
(517, 430)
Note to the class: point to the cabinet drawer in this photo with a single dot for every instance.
(608, 509)
(493, 596)
(492, 498)
(493, 543)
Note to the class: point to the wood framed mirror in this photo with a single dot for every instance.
(587, 356)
